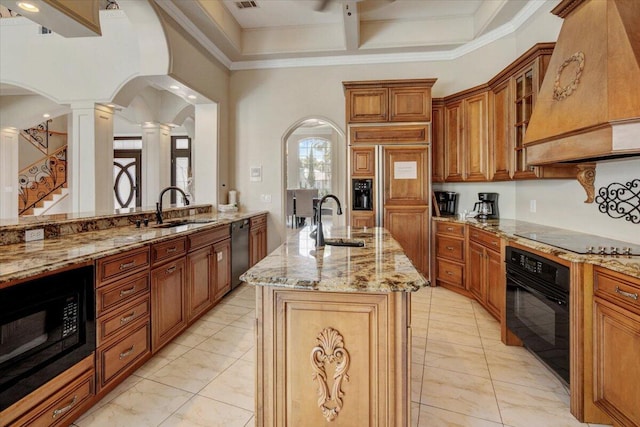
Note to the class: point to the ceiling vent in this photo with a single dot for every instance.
(246, 4)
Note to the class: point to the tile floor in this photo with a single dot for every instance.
(462, 375)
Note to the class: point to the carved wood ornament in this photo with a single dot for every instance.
(330, 349)
(562, 92)
(586, 177)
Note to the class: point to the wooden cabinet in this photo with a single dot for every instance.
(487, 283)
(310, 341)
(409, 225)
(360, 219)
(363, 162)
(201, 273)
(453, 142)
(406, 175)
(56, 403)
(437, 141)
(168, 300)
(450, 250)
(617, 346)
(381, 101)
(526, 83)
(123, 317)
(222, 257)
(502, 142)
(257, 239)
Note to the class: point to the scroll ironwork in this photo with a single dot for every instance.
(621, 200)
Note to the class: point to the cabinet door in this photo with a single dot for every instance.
(409, 225)
(201, 282)
(437, 143)
(362, 161)
(410, 104)
(616, 368)
(169, 302)
(502, 140)
(406, 176)
(476, 137)
(222, 254)
(495, 284)
(525, 90)
(367, 105)
(475, 270)
(362, 219)
(453, 142)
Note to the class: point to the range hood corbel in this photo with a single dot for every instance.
(586, 177)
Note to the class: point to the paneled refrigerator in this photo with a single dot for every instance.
(390, 188)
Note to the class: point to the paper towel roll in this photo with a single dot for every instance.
(233, 197)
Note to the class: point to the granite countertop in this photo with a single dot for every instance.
(379, 266)
(507, 229)
(23, 260)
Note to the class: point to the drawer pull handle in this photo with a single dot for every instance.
(449, 273)
(171, 269)
(494, 243)
(128, 318)
(172, 249)
(127, 291)
(449, 248)
(126, 353)
(64, 409)
(627, 294)
(127, 265)
(449, 228)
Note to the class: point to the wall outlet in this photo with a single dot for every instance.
(532, 206)
(265, 198)
(34, 234)
(192, 211)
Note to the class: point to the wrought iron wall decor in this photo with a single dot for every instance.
(621, 200)
(41, 179)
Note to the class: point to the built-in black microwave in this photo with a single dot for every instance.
(47, 325)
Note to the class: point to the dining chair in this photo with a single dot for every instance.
(291, 207)
(304, 203)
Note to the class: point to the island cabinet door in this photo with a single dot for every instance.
(332, 358)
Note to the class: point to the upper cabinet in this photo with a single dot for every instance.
(379, 101)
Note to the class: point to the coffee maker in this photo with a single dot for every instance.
(361, 195)
(487, 207)
(447, 202)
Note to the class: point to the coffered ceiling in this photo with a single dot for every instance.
(245, 34)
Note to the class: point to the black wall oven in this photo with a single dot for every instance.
(537, 307)
(47, 325)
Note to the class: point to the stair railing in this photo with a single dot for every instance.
(41, 178)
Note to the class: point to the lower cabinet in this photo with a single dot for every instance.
(409, 225)
(449, 244)
(486, 277)
(58, 402)
(201, 273)
(617, 346)
(222, 257)
(362, 219)
(168, 302)
(257, 239)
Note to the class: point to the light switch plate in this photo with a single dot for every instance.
(34, 234)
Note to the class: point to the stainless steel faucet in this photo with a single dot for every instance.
(319, 232)
(159, 203)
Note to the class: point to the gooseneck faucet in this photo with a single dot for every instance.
(159, 203)
(319, 232)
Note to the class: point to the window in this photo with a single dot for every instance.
(180, 164)
(127, 172)
(314, 155)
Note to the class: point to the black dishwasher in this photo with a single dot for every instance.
(239, 250)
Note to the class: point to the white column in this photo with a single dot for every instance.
(9, 138)
(204, 156)
(90, 158)
(156, 161)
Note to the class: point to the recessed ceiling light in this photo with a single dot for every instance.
(192, 97)
(174, 87)
(46, 115)
(28, 7)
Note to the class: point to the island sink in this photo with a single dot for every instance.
(344, 242)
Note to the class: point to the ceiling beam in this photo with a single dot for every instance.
(351, 20)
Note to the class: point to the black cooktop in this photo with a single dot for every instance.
(577, 242)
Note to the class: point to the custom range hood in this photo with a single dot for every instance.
(588, 107)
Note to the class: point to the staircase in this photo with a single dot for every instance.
(51, 203)
(42, 185)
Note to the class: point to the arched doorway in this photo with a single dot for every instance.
(315, 157)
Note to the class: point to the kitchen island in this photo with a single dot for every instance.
(333, 331)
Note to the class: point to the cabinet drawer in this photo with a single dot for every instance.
(257, 221)
(168, 250)
(617, 287)
(112, 324)
(450, 272)
(61, 405)
(208, 237)
(485, 238)
(121, 292)
(450, 228)
(450, 248)
(120, 265)
(116, 358)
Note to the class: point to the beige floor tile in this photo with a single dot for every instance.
(193, 370)
(455, 334)
(120, 388)
(203, 412)
(250, 355)
(248, 301)
(415, 414)
(147, 403)
(230, 341)
(436, 417)
(197, 333)
(457, 358)
(168, 353)
(459, 319)
(226, 313)
(416, 381)
(418, 347)
(251, 422)
(235, 386)
(248, 321)
(465, 394)
(524, 406)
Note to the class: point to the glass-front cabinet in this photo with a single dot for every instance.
(526, 83)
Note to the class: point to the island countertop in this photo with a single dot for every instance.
(379, 266)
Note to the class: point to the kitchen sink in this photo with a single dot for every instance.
(344, 242)
(178, 222)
